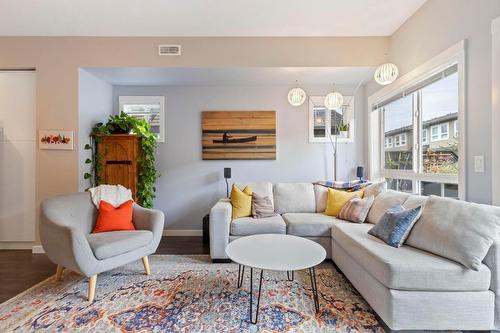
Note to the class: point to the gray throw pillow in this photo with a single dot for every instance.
(457, 230)
(262, 206)
(395, 225)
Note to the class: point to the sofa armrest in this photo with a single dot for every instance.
(66, 245)
(492, 260)
(149, 219)
(220, 220)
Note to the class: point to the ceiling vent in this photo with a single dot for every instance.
(169, 50)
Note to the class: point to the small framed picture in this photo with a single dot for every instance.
(55, 139)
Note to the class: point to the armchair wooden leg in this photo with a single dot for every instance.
(59, 272)
(92, 283)
(145, 262)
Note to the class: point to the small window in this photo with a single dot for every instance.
(424, 136)
(440, 132)
(435, 133)
(149, 108)
(388, 142)
(325, 125)
(403, 139)
(444, 131)
(400, 140)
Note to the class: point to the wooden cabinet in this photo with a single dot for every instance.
(118, 157)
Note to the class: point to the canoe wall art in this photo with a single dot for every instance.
(239, 135)
(55, 139)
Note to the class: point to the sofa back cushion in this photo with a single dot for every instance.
(457, 230)
(383, 202)
(294, 198)
(375, 189)
(415, 201)
(264, 189)
(321, 197)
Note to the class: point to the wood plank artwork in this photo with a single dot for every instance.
(239, 135)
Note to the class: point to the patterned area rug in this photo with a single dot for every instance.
(188, 294)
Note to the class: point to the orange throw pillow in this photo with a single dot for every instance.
(114, 219)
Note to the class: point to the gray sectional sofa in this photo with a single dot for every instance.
(410, 289)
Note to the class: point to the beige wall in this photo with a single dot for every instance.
(58, 59)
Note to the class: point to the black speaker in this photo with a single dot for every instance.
(359, 172)
(227, 173)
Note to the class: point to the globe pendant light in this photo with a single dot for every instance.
(386, 74)
(296, 96)
(334, 100)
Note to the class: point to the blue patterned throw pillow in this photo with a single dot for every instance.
(395, 225)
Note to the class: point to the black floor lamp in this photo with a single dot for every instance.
(227, 175)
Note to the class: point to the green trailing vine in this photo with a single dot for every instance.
(125, 124)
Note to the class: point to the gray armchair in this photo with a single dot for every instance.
(66, 228)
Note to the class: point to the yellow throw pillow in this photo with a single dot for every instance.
(337, 199)
(241, 201)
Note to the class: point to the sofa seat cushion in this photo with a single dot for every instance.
(110, 244)
(246, 226)
(309, 224)
(406, 268)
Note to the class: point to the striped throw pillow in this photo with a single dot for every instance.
(262, 206)
(356, 209)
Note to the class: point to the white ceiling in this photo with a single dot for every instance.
(342, 76)
(204, 17)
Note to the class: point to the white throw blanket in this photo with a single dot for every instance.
(113, 194)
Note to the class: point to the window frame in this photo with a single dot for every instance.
(349, 103)
(455, 55)
(123, 100)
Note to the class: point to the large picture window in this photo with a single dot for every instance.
(423, 123)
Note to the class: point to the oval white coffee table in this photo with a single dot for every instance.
(276, 253)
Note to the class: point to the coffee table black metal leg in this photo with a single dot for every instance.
(312, 273)
(288, 273)
(258, 296)
(241, 275)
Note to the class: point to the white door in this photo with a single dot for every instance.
(17, 156)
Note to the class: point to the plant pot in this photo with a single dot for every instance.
(121, 131)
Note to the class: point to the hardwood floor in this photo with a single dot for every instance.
(20, 269)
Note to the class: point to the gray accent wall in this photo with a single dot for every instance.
(189, 186)
(95, 101)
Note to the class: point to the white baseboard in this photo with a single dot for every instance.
(37, 249)
(16, 245)
(182, 233)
